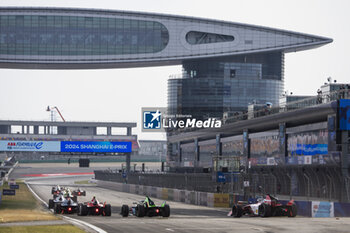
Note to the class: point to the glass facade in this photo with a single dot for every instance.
(211, 87)
(77, 35)
(194, 37)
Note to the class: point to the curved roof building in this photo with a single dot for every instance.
(63, 38)
(226, 65)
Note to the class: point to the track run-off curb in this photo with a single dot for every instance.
(72, 220)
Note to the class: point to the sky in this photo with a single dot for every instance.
(117, 95)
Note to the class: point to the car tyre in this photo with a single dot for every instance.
(237, 211)
(107, 210)
(57, 208)
(166, 211)
(140, 211)
(84, 210)
(264, 210)
(292, 210)
(125, 211)
(51, 204)
(79, 209)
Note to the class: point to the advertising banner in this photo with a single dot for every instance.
(220, 177)
(344, 114)
(67, 146)
(39, 146)
(99, 147)
(9, 192)
(322, 209)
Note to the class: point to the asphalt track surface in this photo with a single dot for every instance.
(183, 218)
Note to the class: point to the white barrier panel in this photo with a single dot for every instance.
(322, 209)
(210, 199)
(159, 193)
(132, 188)
(176, 195)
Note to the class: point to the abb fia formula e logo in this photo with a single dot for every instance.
(25, 145)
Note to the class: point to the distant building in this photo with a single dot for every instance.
(226, 65)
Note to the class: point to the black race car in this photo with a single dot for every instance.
(67, 206)
(56, 191)
(79, 192)
(94, 207)
(58, 199)
(146, 208)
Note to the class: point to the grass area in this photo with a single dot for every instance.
(22, 207)
(82, 182)
(42, 229)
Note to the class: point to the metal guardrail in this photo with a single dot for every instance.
(321, 183)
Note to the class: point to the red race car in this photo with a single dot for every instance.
(268, 207)
(94, 207)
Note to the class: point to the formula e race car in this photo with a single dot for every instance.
(146, 208)
(268, 207)
(67, 206)
(56, 190)
(94, 207)
(68, 194)
(79, 192)
(58, 199)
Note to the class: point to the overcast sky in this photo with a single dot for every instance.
(118, 94)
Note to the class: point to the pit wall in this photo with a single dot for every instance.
(225, 200)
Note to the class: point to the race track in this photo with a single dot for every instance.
(183, 218)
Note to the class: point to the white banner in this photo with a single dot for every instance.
(322, 209)
(43, 146)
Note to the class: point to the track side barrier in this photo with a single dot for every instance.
(224, 200)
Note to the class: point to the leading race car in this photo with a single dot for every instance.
(146, 208)
(94, 207)
(56, 191)
(56, 188)
(268, 207)
(67, 206)
(79, 192)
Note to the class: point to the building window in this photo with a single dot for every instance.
(232, 73)
(194, 37)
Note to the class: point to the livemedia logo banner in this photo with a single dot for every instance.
(157, 119)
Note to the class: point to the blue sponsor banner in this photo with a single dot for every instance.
(344, 114)
(14, 186)
(99, 147)
(9, 192)
(311, 149)
(221, 178)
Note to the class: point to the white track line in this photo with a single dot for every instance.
(78, 222)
